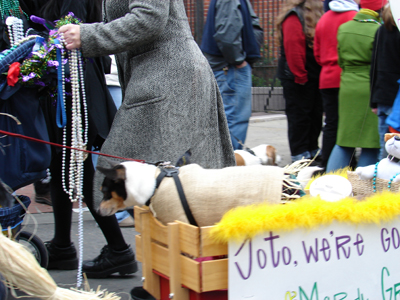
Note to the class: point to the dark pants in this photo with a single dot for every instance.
(330, 101)
(304, 115)
(62, 206)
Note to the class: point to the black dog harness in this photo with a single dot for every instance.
(171, 171)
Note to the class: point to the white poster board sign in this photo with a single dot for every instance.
(395, 7)
(341, 261)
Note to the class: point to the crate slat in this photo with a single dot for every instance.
(215, 275)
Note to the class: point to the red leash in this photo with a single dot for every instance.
(24, 137)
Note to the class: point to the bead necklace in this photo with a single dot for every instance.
(79, 138)
(10, 8)
(374, 178)
(15, 29)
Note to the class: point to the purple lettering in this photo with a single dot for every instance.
(326, 249)
(272, 238)
(395, 238)
(286, 255)
(383, 240)
(339, 245)
(250, 260)
(261, 256)
(311, 252)
(358, 244)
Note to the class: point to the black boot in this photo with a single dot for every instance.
(139, 293)
(110, 261)
(61, 258)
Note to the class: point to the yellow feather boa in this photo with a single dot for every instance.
(307, 212)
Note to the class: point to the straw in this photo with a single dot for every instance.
(21, 270)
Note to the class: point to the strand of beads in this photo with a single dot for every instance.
(374, 179)
(79, 139)
(15, 29)
(10, 8)
(391, 180)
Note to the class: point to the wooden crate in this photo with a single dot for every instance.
(182, 254)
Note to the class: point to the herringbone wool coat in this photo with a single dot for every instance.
(171, 102)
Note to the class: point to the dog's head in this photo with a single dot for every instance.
(267, 154)
(126, 184)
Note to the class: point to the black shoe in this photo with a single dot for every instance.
(139, 293)
(61, 258)
(110, 261)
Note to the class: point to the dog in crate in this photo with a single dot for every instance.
(208, 193)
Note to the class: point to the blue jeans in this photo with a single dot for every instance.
(235, 88)
(383, 112)
(341, 156)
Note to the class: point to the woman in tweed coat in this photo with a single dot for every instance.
(171, 102)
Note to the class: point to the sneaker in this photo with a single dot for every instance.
(61, 258)
(127, 222)
(43, 199)
(111, 261)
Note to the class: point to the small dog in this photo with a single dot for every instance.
(209, 192)
(261, 155)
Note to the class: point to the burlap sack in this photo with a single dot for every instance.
(211, 193)
(363, 188)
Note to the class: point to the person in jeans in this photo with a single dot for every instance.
(358, 125)
(299, 72)
(231, 46)
(385, 73)
(325, 51)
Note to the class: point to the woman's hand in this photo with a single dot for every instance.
(72, 36)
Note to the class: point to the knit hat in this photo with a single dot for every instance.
(373, 4)
(343, 5)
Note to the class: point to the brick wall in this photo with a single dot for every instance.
(266, 10)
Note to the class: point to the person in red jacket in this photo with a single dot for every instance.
(299, 74)
(326, 55)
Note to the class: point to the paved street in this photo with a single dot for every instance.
(264, 129)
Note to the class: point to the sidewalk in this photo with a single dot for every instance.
(264, 129)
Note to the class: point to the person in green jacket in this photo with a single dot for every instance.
(358, 125)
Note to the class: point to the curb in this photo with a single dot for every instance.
(265, 118)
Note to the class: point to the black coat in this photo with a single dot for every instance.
(385, 67)
(101, 107)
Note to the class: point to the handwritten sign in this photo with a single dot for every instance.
(395, 7)
(342, 261)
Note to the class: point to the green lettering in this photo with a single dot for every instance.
(396, 290)
(382, 285)
(302, 293)
(340, 295)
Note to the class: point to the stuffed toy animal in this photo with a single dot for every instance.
(388, 168)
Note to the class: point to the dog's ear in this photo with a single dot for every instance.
(116, 173)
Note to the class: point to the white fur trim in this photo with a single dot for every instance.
(140, 182)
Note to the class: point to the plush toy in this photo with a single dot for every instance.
(388, 168)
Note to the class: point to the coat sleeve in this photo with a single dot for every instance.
(145, 22)
(228, 31)
(294, 42)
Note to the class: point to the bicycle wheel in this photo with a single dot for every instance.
(36, 246)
